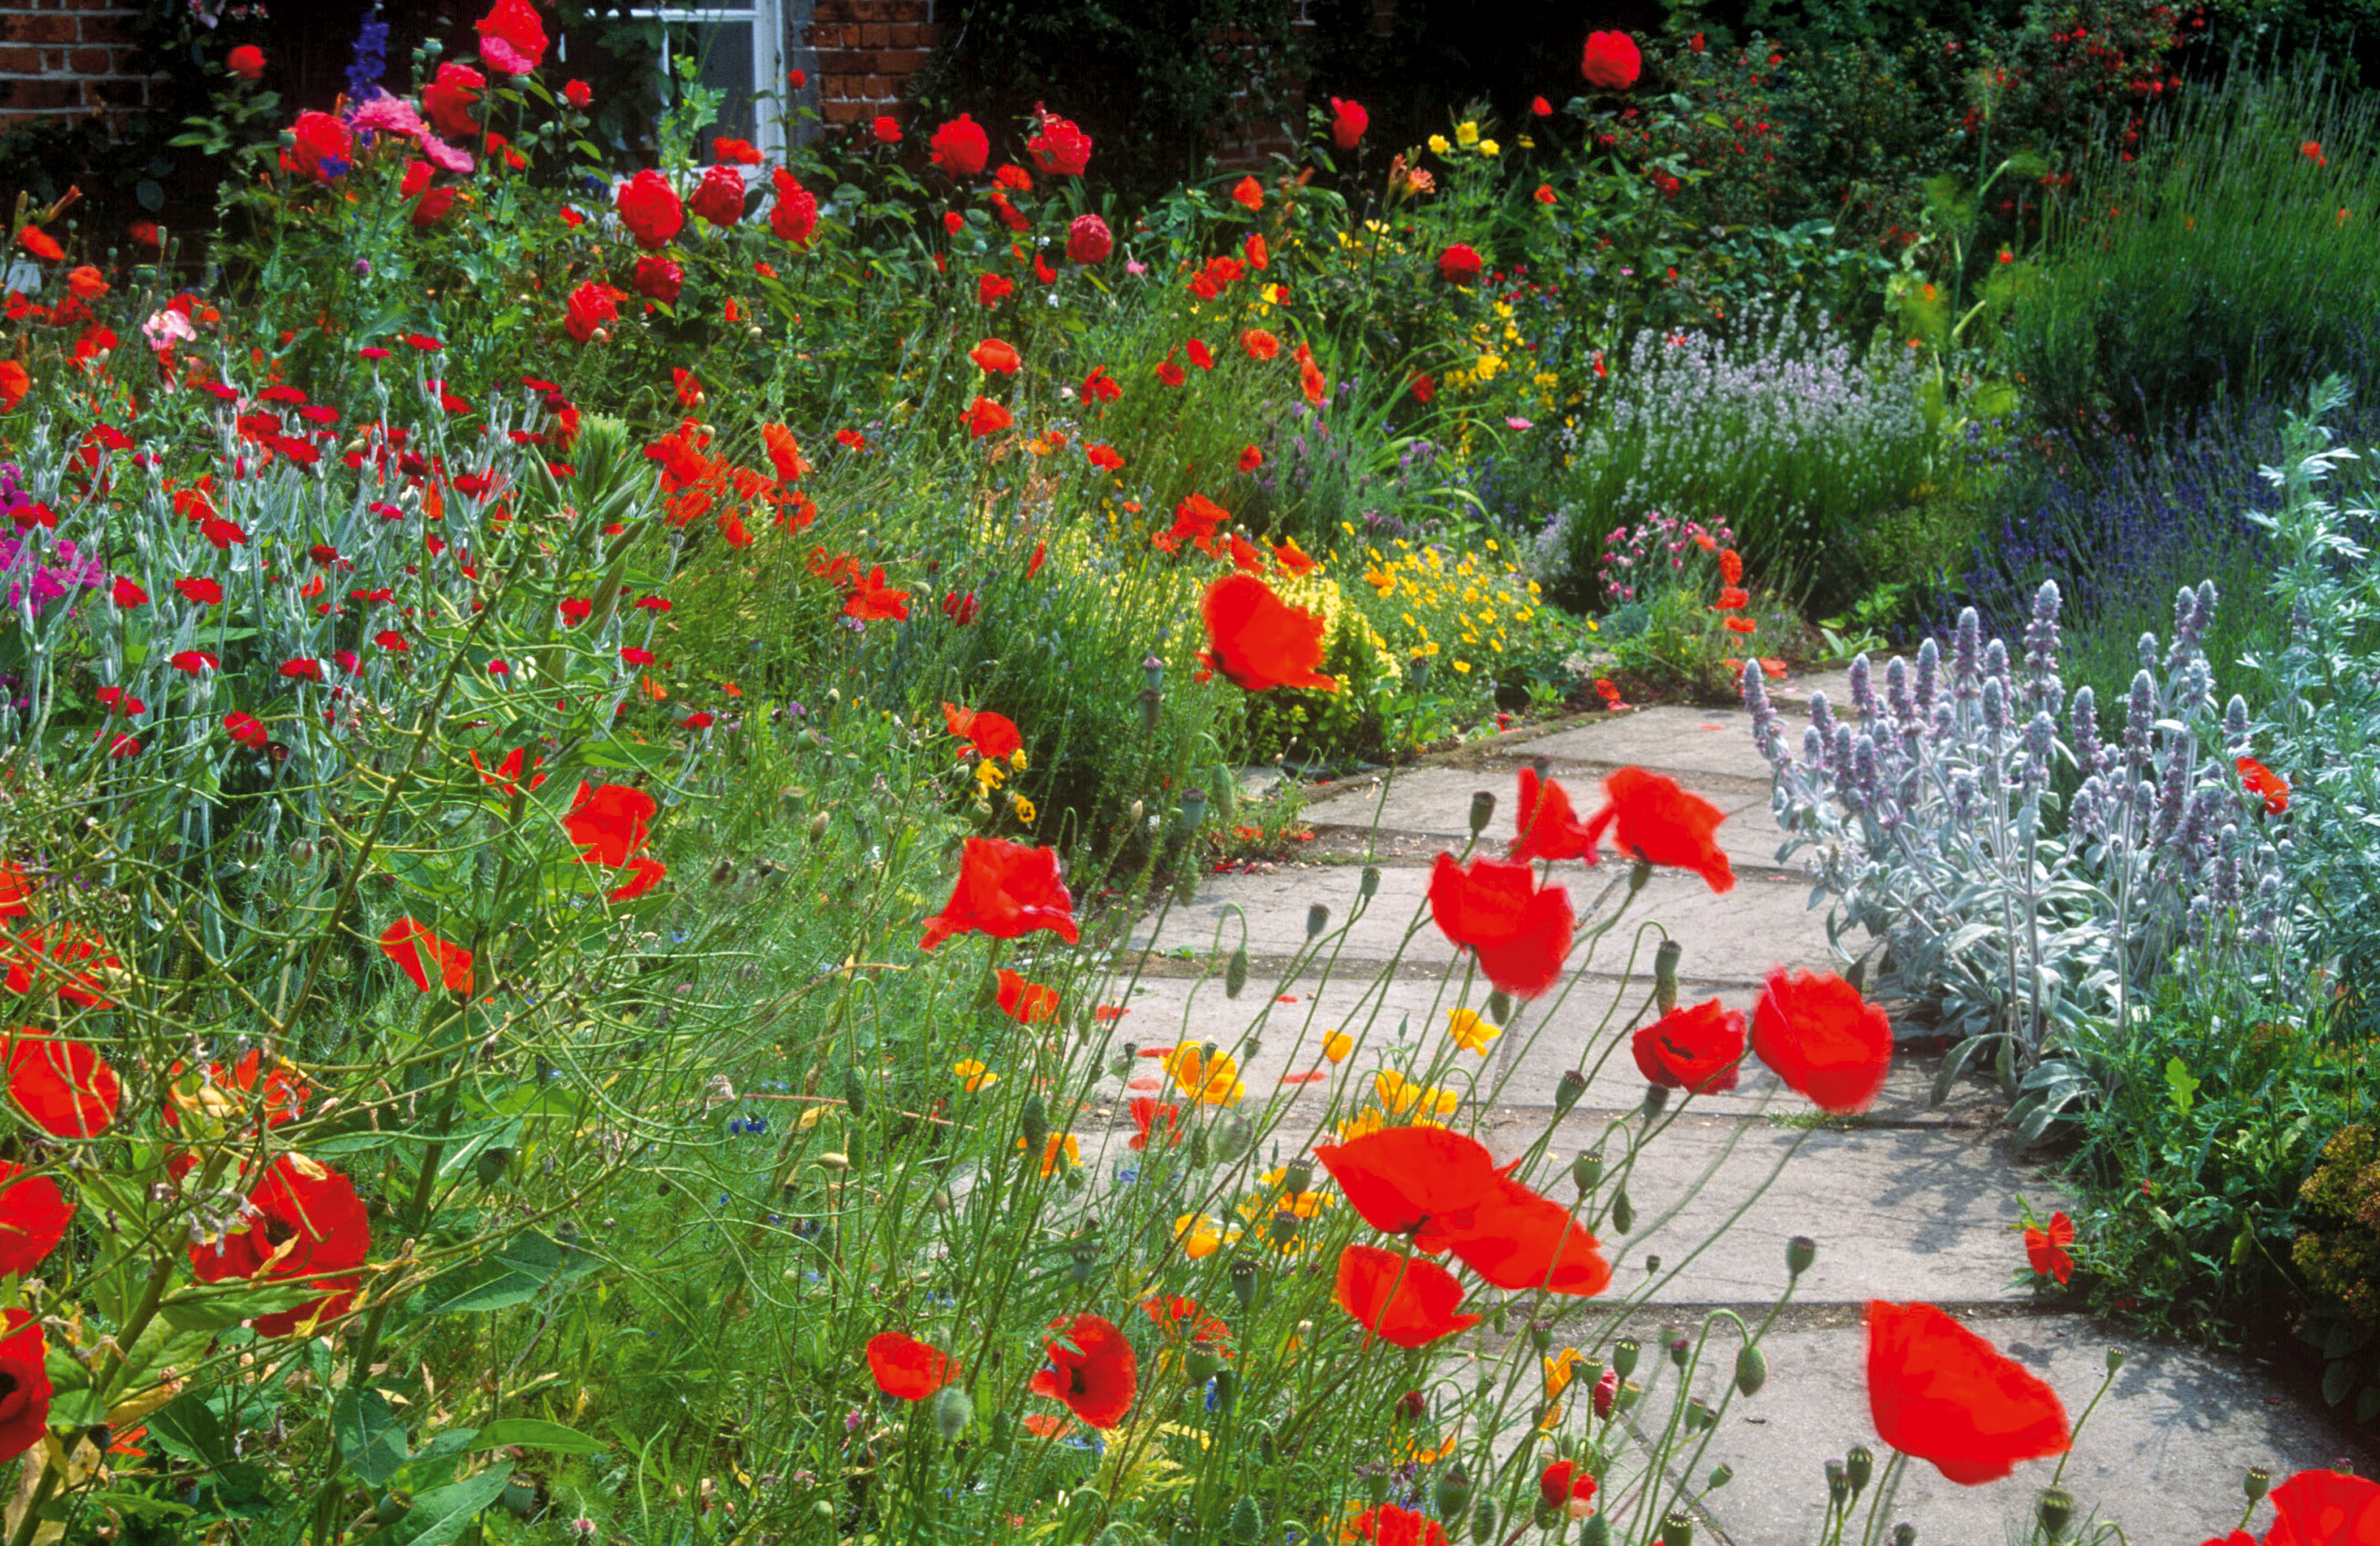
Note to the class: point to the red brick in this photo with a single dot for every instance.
(902, 61)
(90, 61)
(876, 88)
(903, 36)
(42, 96)
(874, 35)
(23, 61)
(21, 26)
(840, 111)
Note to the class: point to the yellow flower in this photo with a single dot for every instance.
(1424, 1455)
(1024, 808)
(1527, 143)
(1337, 1045)
(1399, 1095)
(1560, 1369)
(987, 774)
(1059, 1144)
(1471, 1031)
(1199, 1234)
(1463, 666)
(1214, 1084)
(1487, 148)
(974, 1075)
(1438, 144)
(1361, 1125)
(1466, 134)
(1016, 759)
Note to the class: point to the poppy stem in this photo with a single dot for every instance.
(1880, 1503)
(2076, 1431)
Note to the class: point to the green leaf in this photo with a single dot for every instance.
(371, 1438)
(2338, 1381)
(535, 1433)
(190, 1430)
(441, 1514)
(512, 1275)
(2179, 1081)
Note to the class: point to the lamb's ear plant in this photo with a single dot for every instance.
(2008, 871)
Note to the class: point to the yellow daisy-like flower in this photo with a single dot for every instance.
(1399, 1095)
(1424, 1455)
(974, 1075)
(1059, 1144)
(1471, 1030)
(1337, 1045)
(1215, 1083)
(1200, 1236)
(1466, 134)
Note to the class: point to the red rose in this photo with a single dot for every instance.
(1089, 240)
(659, 279)
(324, 150)
(512, 37)
(961, 147)
(1348, 122)
(650, 207)
(1459, 264)
(1061, 148)
(246, 62)
(795, 215)
(719, 197)
(1611, 61)
(886, 129)
(450, 98)
(579, 96)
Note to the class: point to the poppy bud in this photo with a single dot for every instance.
(817, 827)
(1800, 1251)
(1139, 810)
(1904, 1534)
(1639, 875)
(1318, 918)
(1413, 1406)
(1451, 1492)
(1678, 1344)
(1751, 1368)
(1003, 1433)
(489, 1168)
(1586, 1171)
(854, 1095)
(1623, 1356)
(1483, 811)
(1623, 1212)
(1194, 810)
(1655, 1098)
(1247, 1523)
(1567, 1090)
(1838, 1489)
(1541, 1334)
(2056, 1512)
(1721, 1474)
(1244, 1283)
(1858, 1465)
(1077, 1182)
(953, 1411)
(1664, 974)
(1594, 1532)
(1370, 882)
(1233, 1135)
(1483, 1520)
(834, 1160)
(1197, 1148)
(1033, 1123)
(1227, 1389)
(2256, 1483)
(1677, 1528)
(1500, 1007)
(1201, 1363)
(1235, 974)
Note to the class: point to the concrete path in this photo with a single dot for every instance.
(1910, 1202)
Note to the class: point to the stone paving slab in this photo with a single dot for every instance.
(1436, 802)
(2162, 1456)
(1524, 1065)
(1793, 693)
(1908, 1213)
(1687, 744)
(1765, 922)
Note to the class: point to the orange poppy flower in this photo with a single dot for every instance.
(1939, 1393)
(1259, 641)
(1521, 932)
(2046, 1249)
(907, 1369)
(1406, 1301)
(1654, 819)
(1026, 1003)
(1092, 1369)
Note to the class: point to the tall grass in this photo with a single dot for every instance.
(2235, 258)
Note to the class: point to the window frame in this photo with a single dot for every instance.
(767, 21)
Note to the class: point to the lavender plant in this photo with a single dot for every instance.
(2029, 921)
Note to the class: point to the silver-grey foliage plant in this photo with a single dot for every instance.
(1932, 813)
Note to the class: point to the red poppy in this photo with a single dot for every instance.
(2322, 1509)
(1549, 827)
(1249, 194)
(905, 1368)
(961, 147)
(450, 97)
(1459, 264)
(1089, 240)
(25, 1379)
(1060, 148)
(1259, 641)
(1292, 559)
(1521, 933)
(512, 37)
(871, 599)
(1563, 1483)
(992, 735)
(1348, 122)
(33, 1218)
(1418, 1182)
(1820, 1037)
(1105, 457)
(2046, 1249)
(1694, 1049)
(591, 307)
(322, 147)
(643, 873)
(719, 197)
(1611, 61)
(1259, 343)
(64, 1088)
(281, 1091)
(990, 289)
(39, 243)
(995, 357)
(1424, 388)
(1150, 1118)
(609, 823)
(984, 417)
(1515, 1239)
(16, 890)
(1541, 108)
(1406, 1300)
(1390, 1526)
(304, 1221)
(1182, 1319)
(1026, 1003)
(1939, 1393)
(2257, 778)
(1092, 1370)
(416, 952)
(1250, 459)
(1654, 819)
(1005, 890)
(1244, 557)
(736, 152)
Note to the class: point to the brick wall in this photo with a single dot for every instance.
(66, 60)
(867, 53)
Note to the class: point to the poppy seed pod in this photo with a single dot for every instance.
(1567, 1090)
(1721, 1474)
(1586, 1171)
(1194, 810)
(1838, 1489)
(2115, 1360)
(1201, 1363)
(1858, 1466)
(1677, 1528)
(1419, 671)
(1624, 1355)
(1451, 1492)
(1483, 811)
(1664, 974)
(2056, 1511)
(1751, 1368)
(953, 1411)
(1700, 1418)
(2256, 1483)
(1800, 1251)
(1244, 1283)
(1318, 918)
(1375, 1483)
